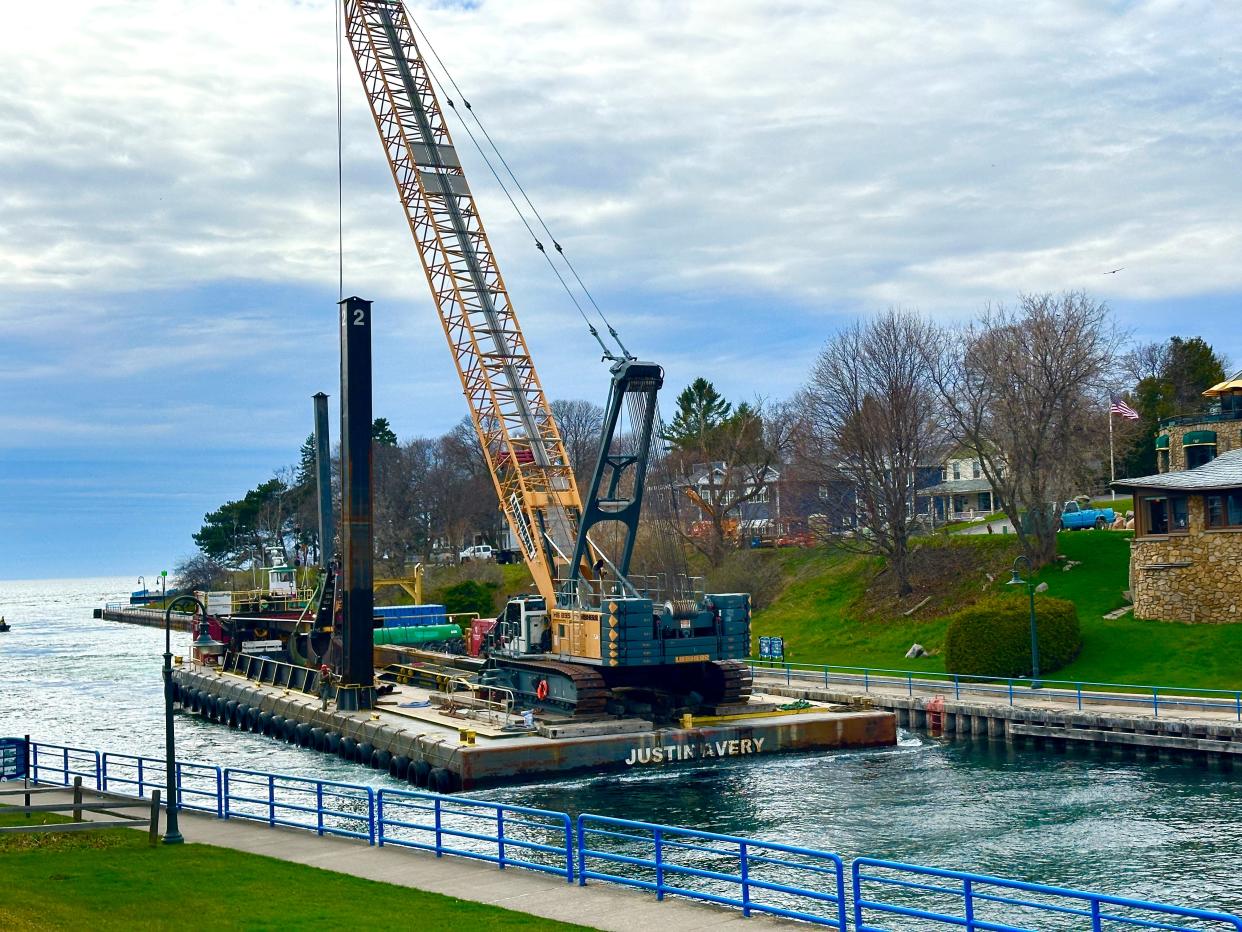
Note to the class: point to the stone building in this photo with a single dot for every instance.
(1191, 440)
(1186, 556)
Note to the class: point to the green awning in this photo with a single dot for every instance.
(1162, 442)
(1199, 438)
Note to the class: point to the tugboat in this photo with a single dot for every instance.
(4, 625)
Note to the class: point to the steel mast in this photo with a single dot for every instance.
(521, 442)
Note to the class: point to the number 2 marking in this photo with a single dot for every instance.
(359, 317)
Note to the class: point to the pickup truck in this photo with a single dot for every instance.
(479, 553)
(1076, 518)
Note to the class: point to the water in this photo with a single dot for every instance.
(1164, 831)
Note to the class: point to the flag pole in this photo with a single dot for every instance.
(1112, 460)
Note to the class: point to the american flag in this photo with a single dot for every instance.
(1120, 407)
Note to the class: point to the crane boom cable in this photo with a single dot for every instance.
(521, 216)
(518, 184)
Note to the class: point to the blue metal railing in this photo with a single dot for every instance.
(748, 874)
(725, 869)
(536, 839)
(199, 786)
(323, 806)
(977, 901)
(1012, 689)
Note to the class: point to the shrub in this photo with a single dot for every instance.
(993, 637)
(469, 596)
(755, 571)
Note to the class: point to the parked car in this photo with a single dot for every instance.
(1074, 517)
(479, 553)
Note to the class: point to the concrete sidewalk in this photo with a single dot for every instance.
(598, 905)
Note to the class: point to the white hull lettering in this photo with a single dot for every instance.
(661, 754)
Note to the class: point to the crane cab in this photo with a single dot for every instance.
(523, 628)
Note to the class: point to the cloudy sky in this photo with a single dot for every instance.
(734, 179)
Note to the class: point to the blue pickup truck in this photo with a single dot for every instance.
(1076, 518)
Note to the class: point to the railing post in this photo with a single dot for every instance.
(1095, 915)
(65, 756)
(98, 772)
(373, 817)
(224, 796)
(1237, 698)
(271, 799)
(1011, 692)
(500, 836)
(1079, 688)
(658, 837)
(439, 835)
(910, 684)
(379, 819)
(141, 778)
(788, 675)
(177, 779)
(825, 676)
(319, 806)
(103, 775)
(957, 687)
(77, 799)
(219, 794)
(866, 680)
(581, 839)
(1155, 702)
(745, 872)
(969, 902)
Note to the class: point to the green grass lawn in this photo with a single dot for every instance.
(821, 615)
(112, 880)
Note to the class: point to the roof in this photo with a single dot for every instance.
(957, 487)
(1224, 472)
(1231, 384)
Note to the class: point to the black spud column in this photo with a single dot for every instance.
(357, 688)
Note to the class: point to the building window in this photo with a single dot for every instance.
(1224, 509)
(1165, 514)
(975, 471)
(1162, 460)
(1200, 455)
(957, 470)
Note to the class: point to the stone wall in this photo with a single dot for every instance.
(1228, 437)
(1209, 589)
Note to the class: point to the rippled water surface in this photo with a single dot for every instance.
(1163, 831)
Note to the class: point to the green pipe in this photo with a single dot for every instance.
(417, 634)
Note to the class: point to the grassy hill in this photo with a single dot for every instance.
(839, 609)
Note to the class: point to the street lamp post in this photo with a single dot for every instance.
(1017, 580)
(172, 836)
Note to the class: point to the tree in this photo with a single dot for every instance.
(868, 422)
(1020, 388)
(726, 469)
(382, 433)
(700, 412)
(580, 423)
(199, 572)
(1169, 379)
(242, 530)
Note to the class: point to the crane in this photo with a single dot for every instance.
(581, 636)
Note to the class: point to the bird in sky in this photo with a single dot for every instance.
(1115, 271)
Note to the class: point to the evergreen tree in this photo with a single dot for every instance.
(307, 470)
(382, 433)
(700, 413)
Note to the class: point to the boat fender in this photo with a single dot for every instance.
(333, 742)
(230, 713)
(364, 754)
(399, 766)
(418, 773)
(541, 693)
(252, 719)
(214, 707)
(264, 723)
(440, 780)
(348, 746)
(176, 691)
(380, 760)
(303, 735)
(194, 700)
(318, 739)
(290, 731)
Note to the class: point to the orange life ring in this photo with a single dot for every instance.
(541, 690)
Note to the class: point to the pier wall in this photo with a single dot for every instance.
(1204, 738)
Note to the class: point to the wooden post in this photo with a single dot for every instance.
(155, 818)
(77, 799)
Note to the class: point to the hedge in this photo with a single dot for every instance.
(993, 637)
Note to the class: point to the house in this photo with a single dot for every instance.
(1191, 440)
(777, 501)
(963, 493)
(1187, 543)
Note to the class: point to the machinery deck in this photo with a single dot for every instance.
(478, 751)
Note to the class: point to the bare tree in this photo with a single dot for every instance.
(1021, 390)
(580, 423)
(868, 422)
(728, 470)
(1146, 361)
